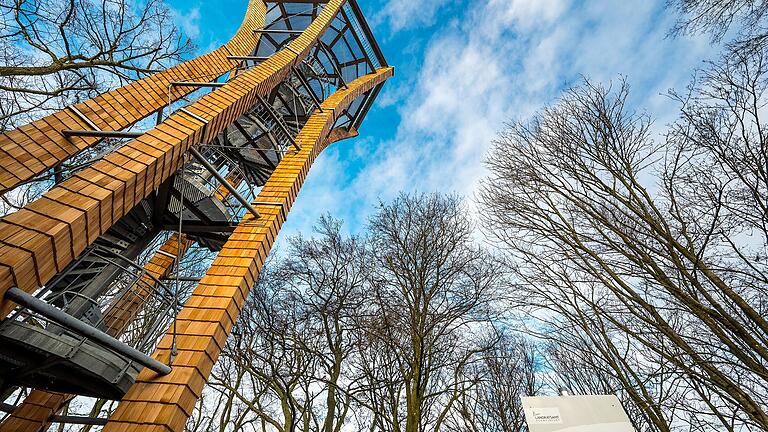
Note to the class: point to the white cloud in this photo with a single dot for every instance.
(529, 13)
(401, 14)
(189, 22)
(501, 60)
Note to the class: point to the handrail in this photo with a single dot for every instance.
(68, 321)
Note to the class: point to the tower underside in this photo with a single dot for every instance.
(123, 280)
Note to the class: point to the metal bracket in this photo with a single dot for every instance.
(95, 130)
(275, 204)
(182, 278)
(34, 304)
(193, 115)
(82, 117)
(196, 84)
(168, 254)
(290, 48)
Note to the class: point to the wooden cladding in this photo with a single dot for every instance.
(35, 413)
(39, 146)
(39, 240)
(163, 403)
(210, 303)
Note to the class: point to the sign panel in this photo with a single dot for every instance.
(576, 414)
(545, 416)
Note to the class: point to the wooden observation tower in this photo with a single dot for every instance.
(208, 155)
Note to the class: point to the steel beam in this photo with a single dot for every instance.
(278, 121)
(333, 61)
(278, 31)
(201, 229)
(101, 133)
(79, 420)
(366, 106)
(68, 321)
(182, 278)
(308, 87)
(240, 260)
(368, 33)
(117, 109)
(357, 39)
(224, 182)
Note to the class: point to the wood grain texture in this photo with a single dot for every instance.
(34, 414)
(39, 240)
(164, 403)
(37, 147)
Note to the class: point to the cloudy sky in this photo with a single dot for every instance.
(463, 69)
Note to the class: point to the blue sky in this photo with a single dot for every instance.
(463, 69)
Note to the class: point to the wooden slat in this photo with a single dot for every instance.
(35, 148)
(34, 414)
(72, 215)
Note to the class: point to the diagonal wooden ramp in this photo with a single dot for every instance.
(43, 239)
(32, 149)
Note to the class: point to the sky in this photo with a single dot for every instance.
(464, 68)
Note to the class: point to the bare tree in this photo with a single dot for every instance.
(592, 360)
(742, 23)
(434, 300)
(506, 372)
(268, 366)
(328, 277)
(393, 331)
(56, 52)
(718, 16)
(647, 274)
(287, 365)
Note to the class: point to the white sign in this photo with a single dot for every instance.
(576, 414)
(544, 416)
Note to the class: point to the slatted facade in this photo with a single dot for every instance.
(39, 146)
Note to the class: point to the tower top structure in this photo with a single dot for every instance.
(206, 155)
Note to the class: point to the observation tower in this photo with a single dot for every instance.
(103, 292)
